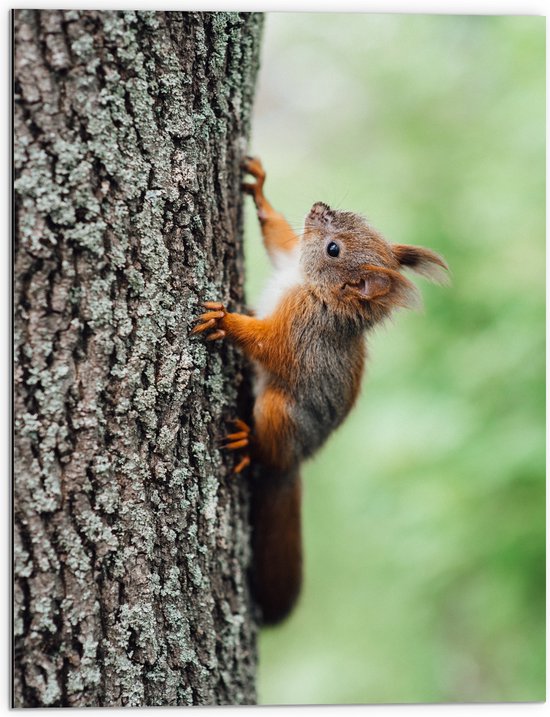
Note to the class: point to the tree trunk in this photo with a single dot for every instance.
(131, 538)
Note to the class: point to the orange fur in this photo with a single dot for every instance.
(309, 353)
(264, 340)
(272, 429)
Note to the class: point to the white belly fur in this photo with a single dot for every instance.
(286, 275)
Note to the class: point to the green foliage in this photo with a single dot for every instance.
(424, 515)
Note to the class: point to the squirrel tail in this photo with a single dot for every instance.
(276, 543)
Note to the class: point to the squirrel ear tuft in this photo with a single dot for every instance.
(421, 260)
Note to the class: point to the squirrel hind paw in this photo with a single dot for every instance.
(236, 441)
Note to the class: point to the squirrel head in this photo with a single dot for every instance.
(342, 255)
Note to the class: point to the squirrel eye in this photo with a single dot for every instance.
(333, 249)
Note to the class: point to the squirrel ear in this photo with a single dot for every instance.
(391, 286)
(421, 260)
(376, 284)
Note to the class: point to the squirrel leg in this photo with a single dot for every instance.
(277, 233)
(272, 443)
(274, 431)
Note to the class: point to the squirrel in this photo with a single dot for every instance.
(332, 284)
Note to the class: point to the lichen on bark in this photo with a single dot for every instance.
(131, 539)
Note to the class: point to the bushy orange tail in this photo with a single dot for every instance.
(277, 544)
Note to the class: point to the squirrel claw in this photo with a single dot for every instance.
(243, 463)
(236, 436)
(253, 166)
(241, 425)
(210, 320)
(248, 187)
(215, 305)
(237, 440)
(219, 334)
(212, 315)
(204, 326)
(235, 445)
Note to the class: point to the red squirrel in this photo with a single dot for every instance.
(306, 341)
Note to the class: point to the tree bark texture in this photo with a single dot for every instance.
(131, 538)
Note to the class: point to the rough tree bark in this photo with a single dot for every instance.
(131, 537)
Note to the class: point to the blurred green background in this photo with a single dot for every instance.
(424, 514)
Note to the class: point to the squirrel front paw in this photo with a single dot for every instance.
(253, 166)
(211, 320)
